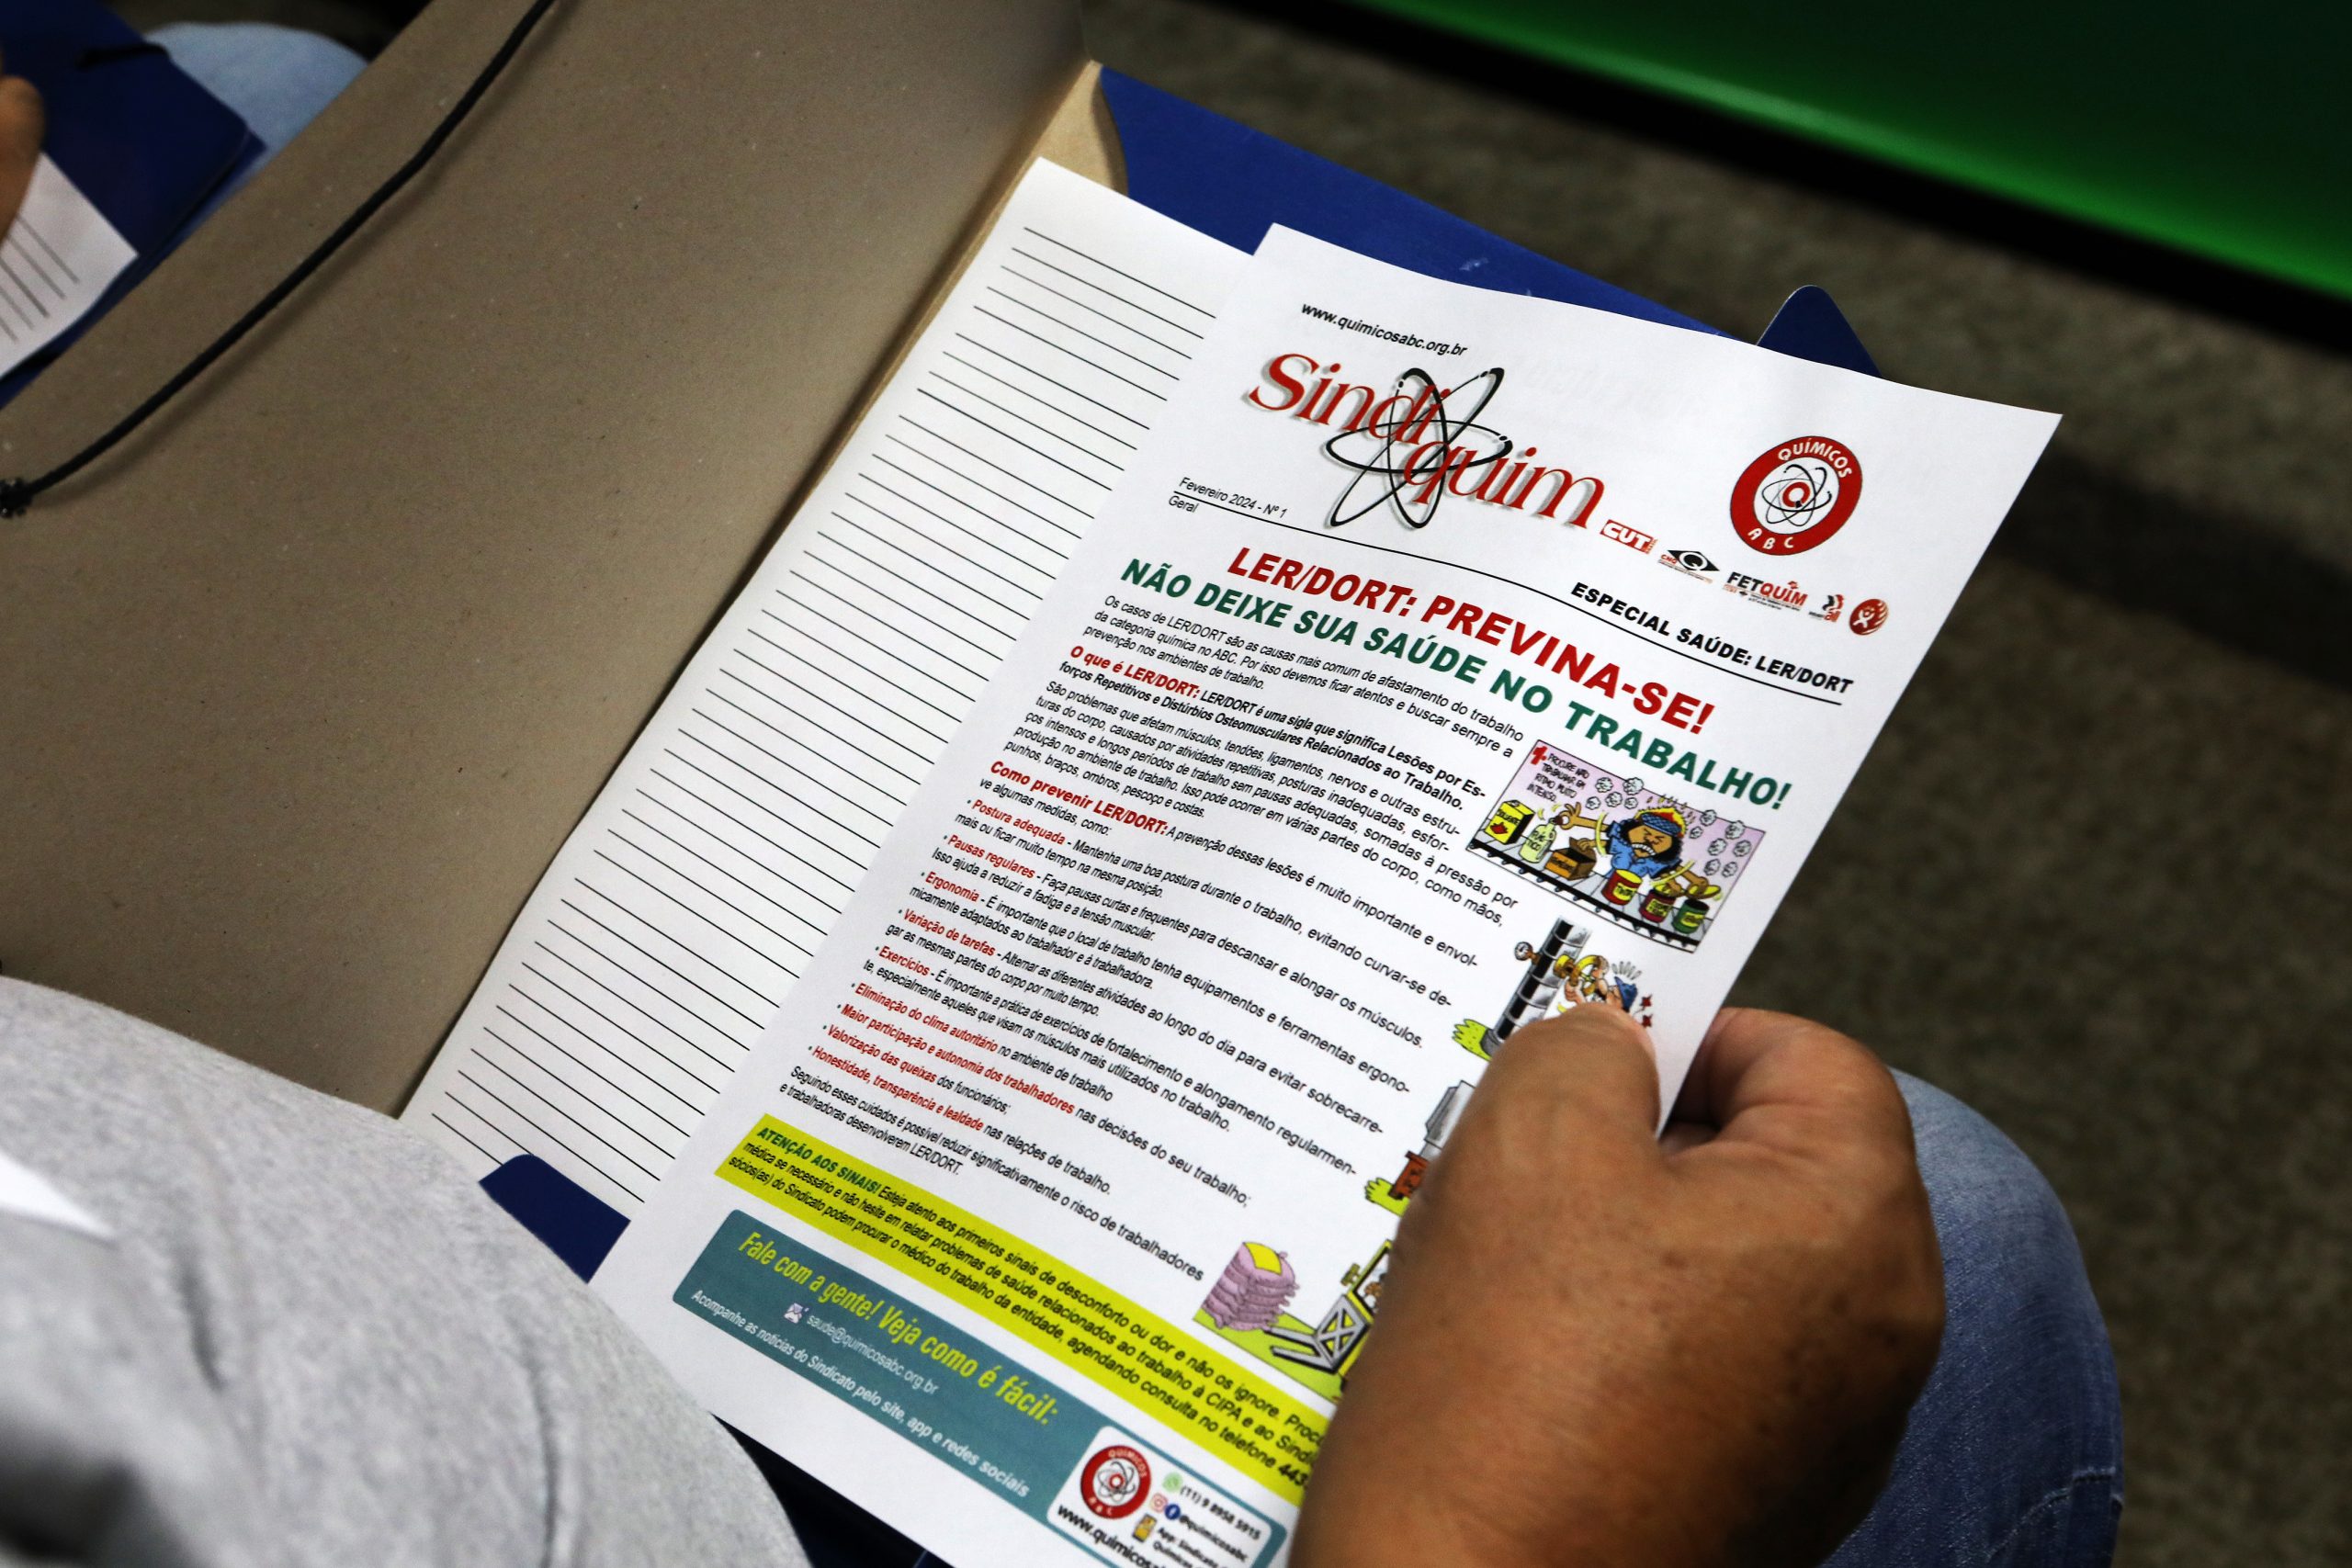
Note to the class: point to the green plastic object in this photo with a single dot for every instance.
(2225, 131)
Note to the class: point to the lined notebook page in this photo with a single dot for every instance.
(689, 899)
(59, 256)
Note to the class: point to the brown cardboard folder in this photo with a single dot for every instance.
(305, 685)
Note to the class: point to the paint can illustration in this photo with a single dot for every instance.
(1574, 862)
(1689, 917)
(1654, 904)
(1509, 819)
(1620, 886)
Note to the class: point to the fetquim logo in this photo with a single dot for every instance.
(1796, 495)
(1778, 595)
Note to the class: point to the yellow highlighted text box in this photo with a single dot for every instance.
(1261, 1431)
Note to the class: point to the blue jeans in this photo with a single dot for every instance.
(276, 78)
(2014, 1454)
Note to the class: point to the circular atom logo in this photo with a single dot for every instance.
(1868, 616)
(1115, 1481)
(1796, 495)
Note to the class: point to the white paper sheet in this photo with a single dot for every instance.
(27, 1194)
(1374, 719)
(57, 258)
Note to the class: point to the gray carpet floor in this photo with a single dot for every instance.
(2088, 880)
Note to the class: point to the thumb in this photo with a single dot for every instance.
(22, 125)
(1592, 1063)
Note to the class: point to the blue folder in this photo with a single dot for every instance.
(1231, 182)
(132, 130)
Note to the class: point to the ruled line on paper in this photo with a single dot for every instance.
(57, 259)
(695, 889)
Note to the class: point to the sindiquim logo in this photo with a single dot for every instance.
(1409, 460)
(1796, 495)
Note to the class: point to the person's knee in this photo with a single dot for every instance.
(2014, 1452)
(2008, 1247)
(276, 78)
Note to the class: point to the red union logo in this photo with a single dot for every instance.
(1628, 535)
(1115, 1481)
(1796, 495)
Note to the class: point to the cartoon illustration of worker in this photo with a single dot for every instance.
(1595, 982)
(1648, 845)
(1642, 861)
(1560, 974)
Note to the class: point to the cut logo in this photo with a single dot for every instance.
(1628, 535)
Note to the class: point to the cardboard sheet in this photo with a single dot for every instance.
(310, 681)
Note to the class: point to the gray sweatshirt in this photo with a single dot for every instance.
(241, 1323)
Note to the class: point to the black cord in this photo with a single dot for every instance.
(17, 494)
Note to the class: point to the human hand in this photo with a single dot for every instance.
(23, 123)
(1596, 1347)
